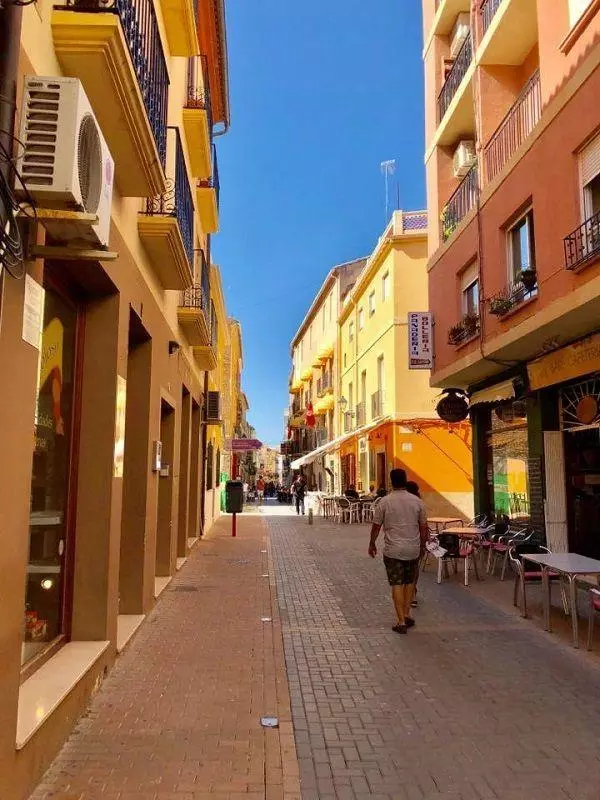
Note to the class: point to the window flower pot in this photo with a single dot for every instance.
(500, 306)
(528, 278)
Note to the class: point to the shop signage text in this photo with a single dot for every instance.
(245, 445)
(420, 340)
(565, 364)
(453, 407)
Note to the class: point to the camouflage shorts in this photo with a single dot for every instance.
(399, 572)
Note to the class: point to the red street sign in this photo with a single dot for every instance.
(245, 444)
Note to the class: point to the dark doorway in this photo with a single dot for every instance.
(195, 477)
(184, 473)
(164, 522)
(582, 465)
(381, 471)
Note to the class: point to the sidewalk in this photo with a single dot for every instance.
(178, 718)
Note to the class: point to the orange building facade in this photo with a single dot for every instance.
(513, 182)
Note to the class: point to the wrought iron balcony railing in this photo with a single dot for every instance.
(205, 279)
(140, 29)
(455, 76)
(360, 414)
(460, 203)
(213, 181)
(513, 295)
(584, 243)
(198, 88)
(177, 200)
(377, 404)
(198, 295)
(348, 421)
(465, 330)
(488, 12)
(516, 126)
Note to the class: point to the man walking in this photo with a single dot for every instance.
(260, 488)
(404, 521)
(299, 490)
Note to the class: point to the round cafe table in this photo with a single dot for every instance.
(443, 521)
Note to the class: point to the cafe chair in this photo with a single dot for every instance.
(455, 551)
(480, 521)
(530, 573)
(501, 546)
(594, 608)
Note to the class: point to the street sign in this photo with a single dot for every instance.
(245, 445)
(420, 340)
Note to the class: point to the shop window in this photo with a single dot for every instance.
(361, 319)
(371, 304)
(507, 460)
(51, 521)
(521, 247)
(385, 287)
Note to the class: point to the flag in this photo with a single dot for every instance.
(310, 416)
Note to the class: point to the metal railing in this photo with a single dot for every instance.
(488, 12)
(377, 404)
(465, 330)
(140, 29)
(213, 181)
(348, 421)
(177, 200)
(584, 243)
(323, 384)
(455, 76)
(460, 203)
(512, 296)
(360, 414)
(516, 126)
(214, 325)
(198, 88)
(204, 278)
(198, 295)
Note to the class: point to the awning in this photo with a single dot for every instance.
(325, 352)
(334, 444)
(324, 404)
(296, 386)
(494, 394)
(307, 374)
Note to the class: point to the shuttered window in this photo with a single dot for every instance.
(589, 171)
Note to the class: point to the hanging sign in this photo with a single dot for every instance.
(245, 445)
(420, 340)
(453, 407)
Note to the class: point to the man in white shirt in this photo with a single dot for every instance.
(404, 521)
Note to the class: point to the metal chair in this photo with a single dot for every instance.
(531, 574)
(594, 608)
(501, 546)
(367, 511)
(456, 550)
(480, 521)
(343, 506)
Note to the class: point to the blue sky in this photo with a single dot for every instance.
(322, 92)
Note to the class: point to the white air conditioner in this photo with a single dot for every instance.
(464, 158)
(460, 31)
(66, 163)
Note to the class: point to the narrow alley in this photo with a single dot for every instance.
(474, 703)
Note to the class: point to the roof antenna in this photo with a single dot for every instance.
(387, 168)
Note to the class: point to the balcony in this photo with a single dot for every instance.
(377, 404)
(515, 294)
(446, 12)
(115, 49)
(361, 414)
(166, 226)
(583, 245)
(197, 118)
(207, 194)
(181, 27)
(455, 77)
(464, 331)
(510, 31)
(516, 126)
(348, 421)
(324, 385)
(193, 313)
(459, 205)
(206, 355)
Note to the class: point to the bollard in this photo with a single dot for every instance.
(310, 516)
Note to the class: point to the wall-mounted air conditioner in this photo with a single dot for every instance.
(66, 163)
(464, 158)
(460, 31)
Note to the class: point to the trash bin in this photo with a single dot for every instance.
(234, 497)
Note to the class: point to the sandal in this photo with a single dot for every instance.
(400, 628)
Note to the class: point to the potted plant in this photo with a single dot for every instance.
(456, 333)
(528, 278)
(471, 324)
(500, 305)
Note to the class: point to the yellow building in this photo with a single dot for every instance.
(386, 411)
(118, 368)
(373, 413)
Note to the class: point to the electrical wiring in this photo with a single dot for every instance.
(11, 244)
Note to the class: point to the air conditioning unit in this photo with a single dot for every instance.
(66, 163)
(464, 158)
(212, 409)
(460, 31)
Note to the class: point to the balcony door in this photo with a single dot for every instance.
(48, 588)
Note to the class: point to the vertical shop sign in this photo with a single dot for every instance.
(420, 340)
(33, 312)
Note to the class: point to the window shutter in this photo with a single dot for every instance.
(470, 274)
(589, 161)
(213, 406)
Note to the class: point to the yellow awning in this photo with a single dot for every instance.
(296, 386)
(494, 394)
(325, 352)
(307, 374)
(324, 404)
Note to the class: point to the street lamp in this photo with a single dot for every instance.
(343, 403)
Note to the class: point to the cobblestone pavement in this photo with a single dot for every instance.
(473, 703)
(178, 717)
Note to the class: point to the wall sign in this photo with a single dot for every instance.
(420, 340)
(453, 407)
(565, 364)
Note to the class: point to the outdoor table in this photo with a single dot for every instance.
(572, 566)
(465, 532)
(437, 521)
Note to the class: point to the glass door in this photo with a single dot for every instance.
(48, 589)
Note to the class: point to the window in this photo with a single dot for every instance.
(470, 299)
(576, 9)
(351, 331)
(589, 168)
(371, 304)
(385, 287)
(350, 396)
(345, 360)
(361, 319)
(521, 247)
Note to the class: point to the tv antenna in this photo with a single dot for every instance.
(388, 168)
